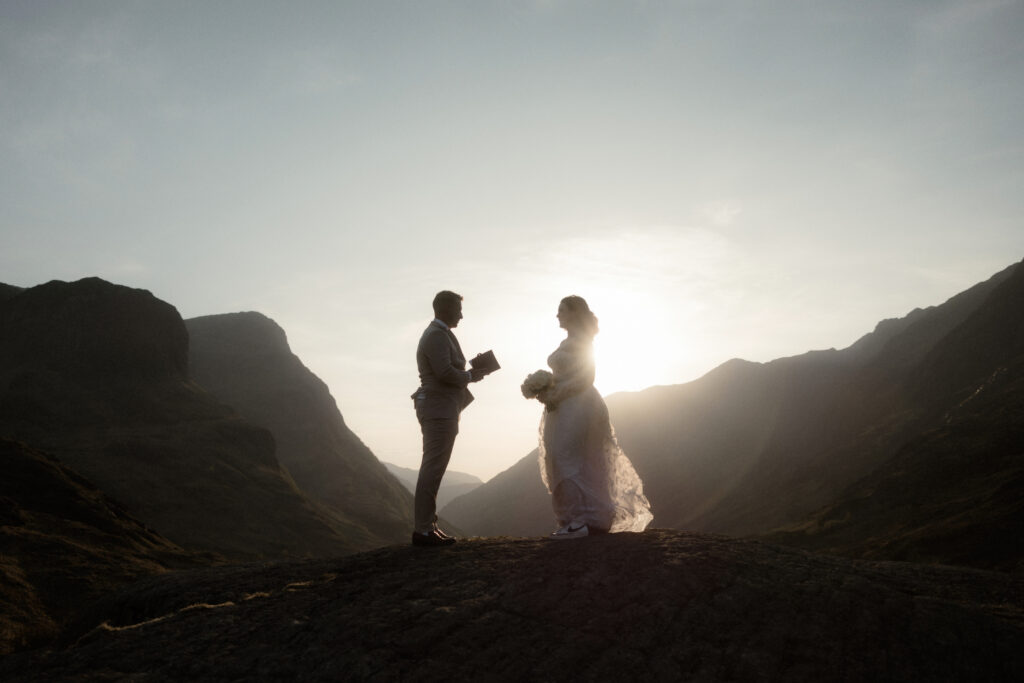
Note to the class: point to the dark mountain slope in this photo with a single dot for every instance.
(902, 346)
(702, 447)
(841, 414)
(96, 374)
(7, 291)
(660, 605)
(744, 446)
(988, 343)
(245, 361)
(952, 494)
(63, 544)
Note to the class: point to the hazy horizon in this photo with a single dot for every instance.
(718, 180)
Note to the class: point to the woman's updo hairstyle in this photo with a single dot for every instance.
(584, 317)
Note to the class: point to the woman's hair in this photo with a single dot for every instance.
(584, 317)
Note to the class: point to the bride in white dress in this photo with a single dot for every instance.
(594, 488)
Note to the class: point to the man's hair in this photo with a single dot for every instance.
(445, 301)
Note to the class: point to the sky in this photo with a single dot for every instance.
(718, 179)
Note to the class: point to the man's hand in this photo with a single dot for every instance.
(476, 374)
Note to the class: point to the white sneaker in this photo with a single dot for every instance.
(570, 531)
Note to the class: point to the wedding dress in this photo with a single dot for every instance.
(590, 479)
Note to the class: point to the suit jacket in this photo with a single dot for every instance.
(443, 391)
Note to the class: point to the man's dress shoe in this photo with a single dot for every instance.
(430, 539)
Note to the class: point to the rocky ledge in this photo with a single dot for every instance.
(661, 605)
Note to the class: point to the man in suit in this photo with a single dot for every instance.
(441, 397)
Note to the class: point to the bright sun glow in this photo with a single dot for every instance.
(651, 288)
(636, 345)
(645, 288)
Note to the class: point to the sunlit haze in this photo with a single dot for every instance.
(717, 179)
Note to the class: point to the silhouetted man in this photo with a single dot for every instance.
(441, 397)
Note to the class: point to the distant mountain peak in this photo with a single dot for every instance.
(93, 327)
(249, 331)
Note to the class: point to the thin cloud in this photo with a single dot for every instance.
(722, 214)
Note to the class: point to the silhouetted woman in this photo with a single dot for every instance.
(593, 486)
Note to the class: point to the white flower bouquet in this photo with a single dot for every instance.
(536, 383)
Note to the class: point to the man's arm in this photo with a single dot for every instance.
(438, 351)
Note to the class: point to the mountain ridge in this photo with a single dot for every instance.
(971, 458)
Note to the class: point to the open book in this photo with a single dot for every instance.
(485, 361)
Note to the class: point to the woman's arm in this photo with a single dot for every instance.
(576, 381)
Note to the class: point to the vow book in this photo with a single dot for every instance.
(486, 362)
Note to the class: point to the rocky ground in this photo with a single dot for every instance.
(662, 605)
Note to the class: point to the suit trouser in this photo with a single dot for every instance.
(438, 440)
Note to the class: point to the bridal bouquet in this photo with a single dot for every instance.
(536, 383)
